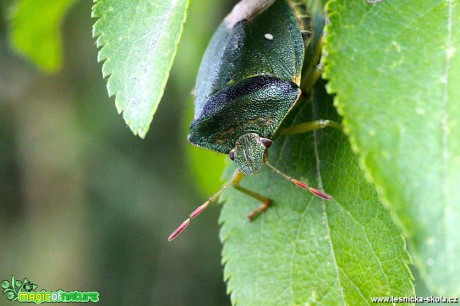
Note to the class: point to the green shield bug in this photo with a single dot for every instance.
(248, 82)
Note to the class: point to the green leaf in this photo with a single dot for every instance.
(306, 250)
(36, 30)
(396, 70)
(138, 40)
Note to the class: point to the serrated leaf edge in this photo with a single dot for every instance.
(101, 57)
(331, 89)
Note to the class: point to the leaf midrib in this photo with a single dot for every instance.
(326, 219)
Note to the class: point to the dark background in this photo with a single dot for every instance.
(84, 204)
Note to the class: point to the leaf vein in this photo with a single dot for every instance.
(320, 185)
(354, 285)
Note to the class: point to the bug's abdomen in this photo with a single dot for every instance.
(303, 19)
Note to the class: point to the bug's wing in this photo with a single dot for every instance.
(271, 43)
(213, 70)
(258, 104)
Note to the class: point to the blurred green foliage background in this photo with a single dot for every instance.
(84, 204)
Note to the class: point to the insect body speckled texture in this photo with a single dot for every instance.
(248, 81)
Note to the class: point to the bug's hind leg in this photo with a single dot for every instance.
(310, 126)
(266, 202)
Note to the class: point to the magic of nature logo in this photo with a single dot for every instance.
(24, 292)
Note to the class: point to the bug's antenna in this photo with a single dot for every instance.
(303, 185)
(237, 176)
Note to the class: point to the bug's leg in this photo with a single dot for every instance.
(236, 178)
(314, 70)
(301, 184)
(310, 126)
(266, 202)
(312, 79)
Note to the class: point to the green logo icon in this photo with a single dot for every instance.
(13, 288)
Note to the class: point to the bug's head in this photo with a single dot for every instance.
(249, 153)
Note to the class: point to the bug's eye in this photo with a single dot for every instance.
(266, 142)
(231, 154)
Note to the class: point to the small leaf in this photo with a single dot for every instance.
(35, 30)
(306, 250)
(138, 40)
(396, 70)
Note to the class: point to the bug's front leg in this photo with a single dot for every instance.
(266, 202)
(314, 68)
(310, 126)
